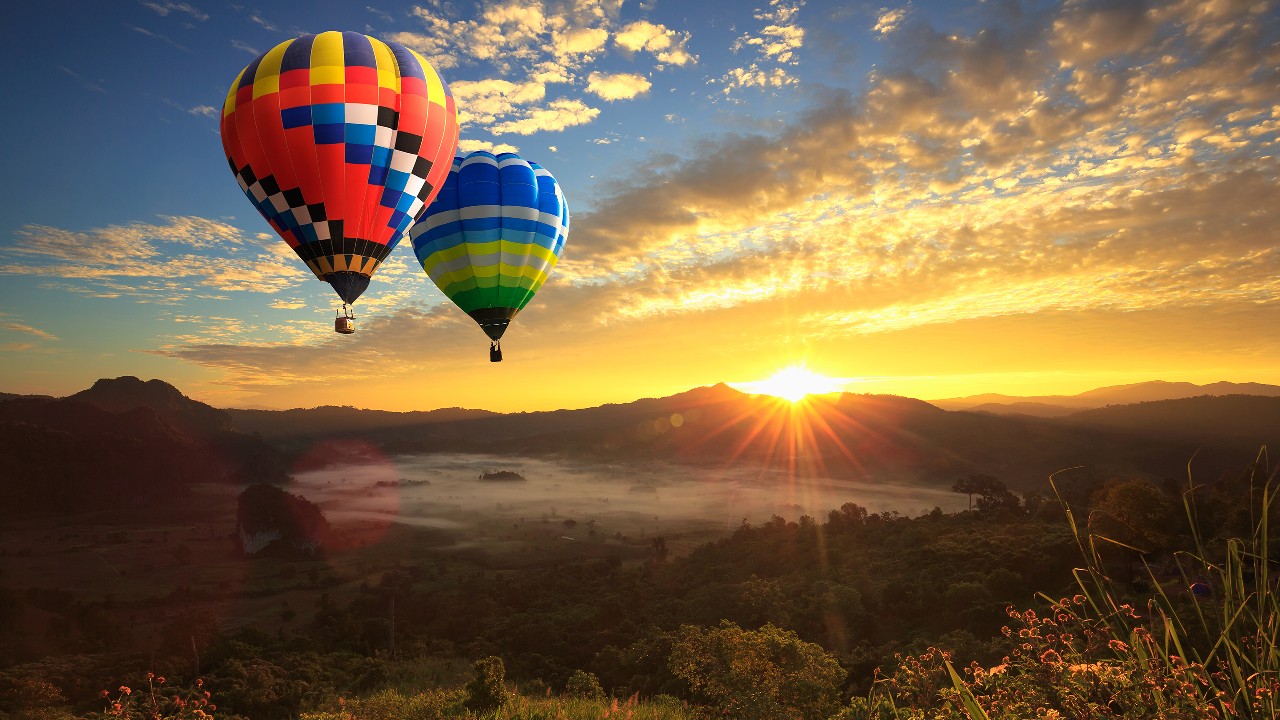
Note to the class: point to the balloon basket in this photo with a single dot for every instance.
(345, 323)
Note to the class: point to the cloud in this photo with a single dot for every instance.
(153, 262)
(555, 116)
(164, 8)
(18, 326)
(380, 13)
(160, 37)
(1001, 171)
(262, 22)
(774, 46)
(666, 45)
(204, 110)
(486, 101)
(521, 47)
(469, 145)
(889, 20)
(288, 304)
(94, 86)
(245, 47)
(619, 86)
(970, 157)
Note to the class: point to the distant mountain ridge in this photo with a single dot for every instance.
(125, 440)
(121, 444)
(1059, 405)
(869, 437)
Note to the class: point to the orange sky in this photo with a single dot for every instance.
(1074, 198)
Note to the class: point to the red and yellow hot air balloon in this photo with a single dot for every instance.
(340, 140)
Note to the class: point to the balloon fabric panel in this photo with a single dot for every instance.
(340, 141)
(492, 236)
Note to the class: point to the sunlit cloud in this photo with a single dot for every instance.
(773, 47)
(889, 20)
(521, 47)
(470, 145)
(666, 45)
(7, 324)
(157, 260)
(619, 86)
(1013, 169)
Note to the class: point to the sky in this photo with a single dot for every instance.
(932, 199)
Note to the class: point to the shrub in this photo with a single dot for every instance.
(487, 690)
(760, 674)
(584, 685)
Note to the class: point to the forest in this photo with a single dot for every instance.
(855, 614)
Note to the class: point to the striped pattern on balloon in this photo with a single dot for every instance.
(492, 236)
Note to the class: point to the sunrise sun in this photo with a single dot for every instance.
(794, 383)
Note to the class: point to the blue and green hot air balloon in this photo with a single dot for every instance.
(492, 236)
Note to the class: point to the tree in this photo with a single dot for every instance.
(583, 684)
(992, 494)
(487, 690)
(758, 674)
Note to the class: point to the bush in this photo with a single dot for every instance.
(760, 674)
(584, 685)
(487, 690)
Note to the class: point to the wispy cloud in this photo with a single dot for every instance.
(262, 22)
(245, 47)
(153, 262)
(87, 85)
(164, 8)
(381, 14)
(163, 38)
(17, 326)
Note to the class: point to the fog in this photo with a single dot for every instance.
(445, 492)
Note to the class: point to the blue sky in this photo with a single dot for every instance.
(924, 198)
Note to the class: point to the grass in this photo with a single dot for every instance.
(1211, 654)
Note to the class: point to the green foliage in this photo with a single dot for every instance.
(758, 674)
(1098, 655)
(487, 690)
(584, 685)
(432, 704)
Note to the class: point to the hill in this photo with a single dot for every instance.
(876, 438)
(1059, 405)
(121, 443)
(1246, 418)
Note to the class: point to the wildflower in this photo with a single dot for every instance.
(1051, 657)
(160, 679)
(199, 682)
(125, 689)
(1119, 646)
(105, 693)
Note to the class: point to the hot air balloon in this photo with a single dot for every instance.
(492, 236)
(340, 140)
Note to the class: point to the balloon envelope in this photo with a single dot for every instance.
(340, 140)
(492, 236)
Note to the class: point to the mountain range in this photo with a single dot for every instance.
(1060, 405)
(126, 441)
